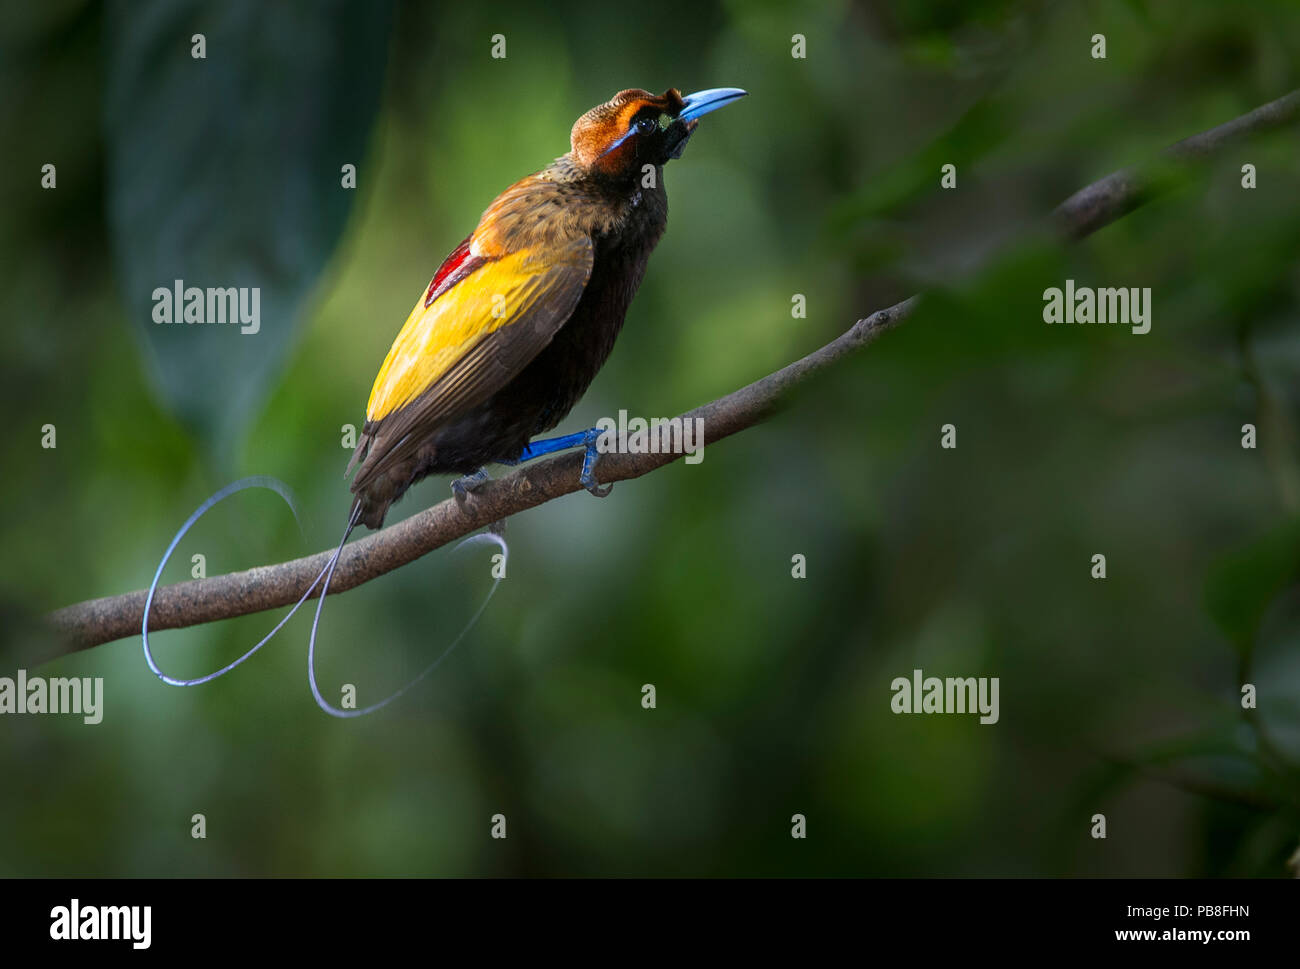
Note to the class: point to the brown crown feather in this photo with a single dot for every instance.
(604, 124)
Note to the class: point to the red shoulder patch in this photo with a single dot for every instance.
(454, 268)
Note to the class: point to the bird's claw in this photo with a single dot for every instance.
(462, 486)
(588, 477)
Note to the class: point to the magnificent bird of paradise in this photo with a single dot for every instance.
(523, 313)
(514, 325)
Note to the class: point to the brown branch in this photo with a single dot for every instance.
(97, 621)
(1119, 193)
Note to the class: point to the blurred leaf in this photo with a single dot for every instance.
(976, 132)
(225, 171)
(1243, 584)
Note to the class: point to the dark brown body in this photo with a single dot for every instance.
(559, 256)
(625, 223)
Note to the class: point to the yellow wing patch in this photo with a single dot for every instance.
(503, 291)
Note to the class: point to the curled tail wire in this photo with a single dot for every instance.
(326, 574)
(333, 711)
(244, 484)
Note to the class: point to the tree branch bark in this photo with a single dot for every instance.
(97, 621)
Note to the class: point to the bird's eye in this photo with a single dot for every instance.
(647, 124)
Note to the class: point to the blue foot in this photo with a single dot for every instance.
(585, 439)
(462, 486)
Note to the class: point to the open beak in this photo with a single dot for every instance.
(702, 102)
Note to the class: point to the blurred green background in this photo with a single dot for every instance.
(1118, 697)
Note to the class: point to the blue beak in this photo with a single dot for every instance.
(702, 102)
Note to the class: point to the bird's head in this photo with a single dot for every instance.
(636, 128)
